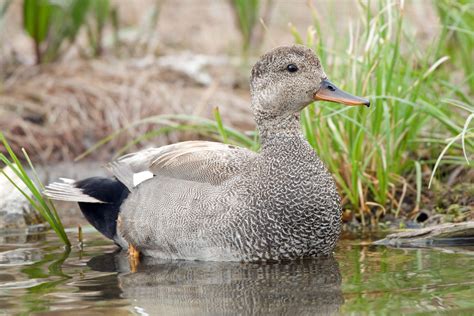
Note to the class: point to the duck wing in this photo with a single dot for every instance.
(198, 161)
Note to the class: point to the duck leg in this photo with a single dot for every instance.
(133, 257)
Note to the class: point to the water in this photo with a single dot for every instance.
(38, 277)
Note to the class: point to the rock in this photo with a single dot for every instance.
(15, 210)
(445, 235)
(191, 65)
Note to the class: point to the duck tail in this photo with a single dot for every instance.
(99, 199)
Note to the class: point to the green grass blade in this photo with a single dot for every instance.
(220, 125)
(41, 204)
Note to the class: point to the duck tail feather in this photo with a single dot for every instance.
(66, 190)
(99, 199)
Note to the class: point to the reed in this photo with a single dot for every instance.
(246, 12)
(43, 205)
(457, 35)
(374, 153)
(54, 26)
(251, 17)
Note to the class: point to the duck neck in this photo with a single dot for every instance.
(278, 130)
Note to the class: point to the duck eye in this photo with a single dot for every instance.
(292, 68)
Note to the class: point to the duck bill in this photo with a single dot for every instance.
(329, 92)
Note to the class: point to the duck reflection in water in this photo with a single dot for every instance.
(306, 287)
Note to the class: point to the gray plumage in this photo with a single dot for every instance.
(212, 201)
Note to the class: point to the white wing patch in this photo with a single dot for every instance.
(141, 176)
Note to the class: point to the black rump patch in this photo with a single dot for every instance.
(103, 216)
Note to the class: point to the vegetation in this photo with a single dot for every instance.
(457, 35)
(383, 158)
(249, 15)
(54, 24)
(43, 205)
(375, 155)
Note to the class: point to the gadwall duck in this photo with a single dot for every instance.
(211, 201)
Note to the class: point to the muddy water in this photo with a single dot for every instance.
(37, 276)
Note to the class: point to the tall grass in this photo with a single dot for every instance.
(44, 206)
(54, 25)
(457, 36)
(372, 152)
(100, 10)
(246, 12)
(248, 15)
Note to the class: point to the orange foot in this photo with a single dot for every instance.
(133, 257)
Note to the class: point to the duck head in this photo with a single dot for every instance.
(287, 79)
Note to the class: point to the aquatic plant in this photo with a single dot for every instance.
(374, 153)
(463, 135)
(54, 24)
(100, 10)
(43, 205)
(247, 14)
(457, 34)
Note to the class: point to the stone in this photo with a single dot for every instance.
(445, 235)
(15, 209)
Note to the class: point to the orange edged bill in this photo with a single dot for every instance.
(329, 92)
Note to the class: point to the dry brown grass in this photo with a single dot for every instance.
(60, 110)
